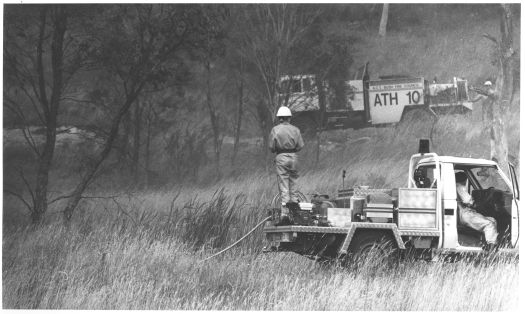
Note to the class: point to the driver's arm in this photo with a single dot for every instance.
(465, 197)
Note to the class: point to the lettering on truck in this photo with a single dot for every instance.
(387, 100)
(391, 99)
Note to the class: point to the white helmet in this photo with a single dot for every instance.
(488, 83)
(284, 112)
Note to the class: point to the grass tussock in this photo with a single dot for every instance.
(111, 266)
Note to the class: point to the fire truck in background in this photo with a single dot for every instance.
(363, 102)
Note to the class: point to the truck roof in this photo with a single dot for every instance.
(460, 160)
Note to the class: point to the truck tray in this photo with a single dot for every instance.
(314, 229)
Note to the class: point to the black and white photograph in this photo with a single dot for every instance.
(261, 156)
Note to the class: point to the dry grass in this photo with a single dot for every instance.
(444, 43)
(141, 249)
(111, 264)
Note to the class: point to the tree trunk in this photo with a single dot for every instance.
(42, 178)
(123, 145)
(50, 108)
(214, 120)
(499, 150)
(384, 20)
(76, 196)
(498, 139)
(147, 153)
(486, 108)
(318, 147)
(265, 126)
(320, 118)
(238, 116)
(507, 53)
(136, 140)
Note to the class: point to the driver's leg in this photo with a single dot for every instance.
(478, 222)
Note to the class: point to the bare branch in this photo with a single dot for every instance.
(56, 199)
(23, 76)
(491, 38)
(33, 103)
(25, 130)
(77, 100)
(28, 186)
(122, 210)
(20, 198)
(31, 141)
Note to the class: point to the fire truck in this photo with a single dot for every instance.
(421, 217)
(363, 102)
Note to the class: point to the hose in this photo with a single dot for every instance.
(236, 242)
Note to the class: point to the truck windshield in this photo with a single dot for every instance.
(489, 177)
(291, 85)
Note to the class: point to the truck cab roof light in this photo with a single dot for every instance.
(424, 146)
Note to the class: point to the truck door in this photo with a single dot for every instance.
(515, 224)
(450, 206)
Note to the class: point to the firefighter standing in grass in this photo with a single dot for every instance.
(285, 140)
(470, 217)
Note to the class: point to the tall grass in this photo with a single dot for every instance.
(141, 249)
(110, 264)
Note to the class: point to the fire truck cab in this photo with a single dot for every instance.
(494, 194)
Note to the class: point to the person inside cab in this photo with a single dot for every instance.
(421, 179)
(468, 215)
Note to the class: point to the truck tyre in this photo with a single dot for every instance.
(374, 244)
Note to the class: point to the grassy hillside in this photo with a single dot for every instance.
(129, 249)
(141, 250)
(435, 40)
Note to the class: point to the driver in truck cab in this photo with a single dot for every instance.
(469, 217)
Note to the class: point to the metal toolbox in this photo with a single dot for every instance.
(381, 213)
(417, 209)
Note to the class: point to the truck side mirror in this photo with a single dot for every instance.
(424, 146)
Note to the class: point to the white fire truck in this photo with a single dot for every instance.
(423, 216)
(362, 102)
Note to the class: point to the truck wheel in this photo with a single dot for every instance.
(377, 246)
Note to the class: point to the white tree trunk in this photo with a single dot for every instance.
(499, 149)
(384, 20)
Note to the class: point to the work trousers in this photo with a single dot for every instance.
(476, 221)
(286, 166)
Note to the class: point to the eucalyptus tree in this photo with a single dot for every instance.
(44, 49)
(209, 50)
(270, 31)
(138, 47)
(501, 96)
